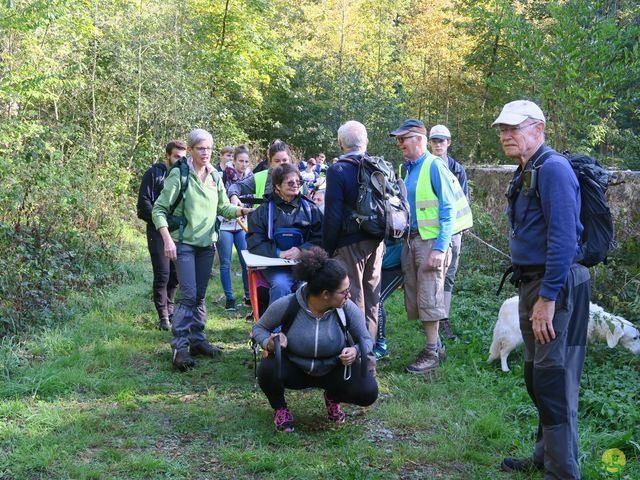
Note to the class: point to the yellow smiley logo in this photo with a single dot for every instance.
(613, 460)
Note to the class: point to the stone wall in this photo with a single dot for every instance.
(489, 184)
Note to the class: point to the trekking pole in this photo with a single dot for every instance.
(242, 225)
(363, 357)
(277, 350)
(469, 232)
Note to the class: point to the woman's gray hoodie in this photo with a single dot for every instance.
(312, 344)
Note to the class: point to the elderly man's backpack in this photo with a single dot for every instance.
(382, 209)
(598, 235)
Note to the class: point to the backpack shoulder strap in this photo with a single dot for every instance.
(216, 175)
(343, 321)
(307, 208)
(537, 165)
(184, 182)
(270, 219)
(290, 313)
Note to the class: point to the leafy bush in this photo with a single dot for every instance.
(58, 231)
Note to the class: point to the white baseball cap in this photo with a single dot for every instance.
(440, 132)
(514, 113)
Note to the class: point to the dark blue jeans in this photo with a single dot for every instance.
(226, 241)
(194, 269)
(281, 280)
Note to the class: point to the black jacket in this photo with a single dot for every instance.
(150, 188)
(339, 229)
(285, 215)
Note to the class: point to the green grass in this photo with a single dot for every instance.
(96, 398)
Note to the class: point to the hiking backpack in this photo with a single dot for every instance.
(595, 215)
(382, 209)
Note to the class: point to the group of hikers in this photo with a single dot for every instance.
(326, 313)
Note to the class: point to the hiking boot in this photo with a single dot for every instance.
(164, 324)
(445, 328)
(511, 464)
(380, 351)
(335, 413)
(283, 420)
(205, 349)
(230, 305)
(427, 360)
(182, 360)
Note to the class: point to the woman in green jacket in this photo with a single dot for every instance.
(203, 199)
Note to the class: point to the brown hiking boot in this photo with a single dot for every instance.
(427, 360)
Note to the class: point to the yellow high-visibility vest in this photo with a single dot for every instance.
(427, 204)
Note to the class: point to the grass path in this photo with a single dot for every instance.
(96, 398)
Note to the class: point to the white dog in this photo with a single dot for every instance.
(603, 326)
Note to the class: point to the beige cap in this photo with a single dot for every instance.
(514, 113)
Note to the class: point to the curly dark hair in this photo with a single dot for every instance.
(319, 271)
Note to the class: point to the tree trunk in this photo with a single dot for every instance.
(224, 24)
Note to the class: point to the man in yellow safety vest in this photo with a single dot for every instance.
(439, 209)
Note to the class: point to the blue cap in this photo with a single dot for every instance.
(408, 126)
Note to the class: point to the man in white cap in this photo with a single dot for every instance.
(554, 290)
(439, 141)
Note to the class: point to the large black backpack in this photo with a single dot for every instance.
(382, 209)
(595, 215)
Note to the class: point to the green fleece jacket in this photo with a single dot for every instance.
(201, 203)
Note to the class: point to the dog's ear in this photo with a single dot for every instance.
(614, 333)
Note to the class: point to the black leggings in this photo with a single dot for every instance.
(165, 279)
(358, 390)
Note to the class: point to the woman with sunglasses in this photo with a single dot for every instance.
(192, 245)
(284, 226)
(317, 343)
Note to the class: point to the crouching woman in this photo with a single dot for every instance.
(316, 350)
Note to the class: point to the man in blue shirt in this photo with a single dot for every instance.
(427, 253)
(544, 218)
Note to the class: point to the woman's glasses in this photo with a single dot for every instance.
(292, 183)
(344, 292)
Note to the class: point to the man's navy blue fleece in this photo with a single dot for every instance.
(547, 230)
(338, 230)
(461, 174)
